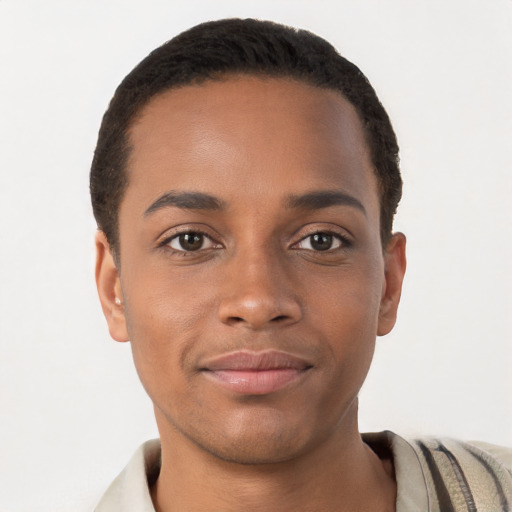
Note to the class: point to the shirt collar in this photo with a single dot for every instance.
(129, 492)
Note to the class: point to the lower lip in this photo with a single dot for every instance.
(255, 382)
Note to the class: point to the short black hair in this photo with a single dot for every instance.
(217, 49)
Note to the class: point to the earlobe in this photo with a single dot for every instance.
(108, 284)
(394, 271)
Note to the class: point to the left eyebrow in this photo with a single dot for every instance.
(187, 201)
(319, 199)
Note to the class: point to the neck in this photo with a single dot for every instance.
(341, 474)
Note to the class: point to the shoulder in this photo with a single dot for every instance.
(446, 475)
(501, 453)
(482, 456)
(466, 475)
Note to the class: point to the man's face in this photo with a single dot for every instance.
(252, 275)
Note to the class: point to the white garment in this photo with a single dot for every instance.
(432, 476)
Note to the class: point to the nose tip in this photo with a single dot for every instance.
(258, 311)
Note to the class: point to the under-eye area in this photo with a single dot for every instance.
(323, 244)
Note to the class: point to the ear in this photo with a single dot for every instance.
(394, 270)
(108, 284)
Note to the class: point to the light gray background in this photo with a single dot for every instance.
(72, 409)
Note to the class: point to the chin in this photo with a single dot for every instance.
(250, 453)
(264, 439)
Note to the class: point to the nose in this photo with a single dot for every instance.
(259, 295)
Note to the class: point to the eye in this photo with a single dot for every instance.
(320, 242)
(190, 241)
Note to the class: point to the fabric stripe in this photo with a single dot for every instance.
(443, 496)
(492, 473)
(461, 478)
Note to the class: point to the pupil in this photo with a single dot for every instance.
(321, 241)
(191, 241)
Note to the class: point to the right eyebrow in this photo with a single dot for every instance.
(318, 199)
(186, 200)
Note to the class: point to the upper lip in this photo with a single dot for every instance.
(255, 361)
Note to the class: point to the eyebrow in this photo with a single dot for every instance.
(323, 199)
(186, 200)
(315, 200)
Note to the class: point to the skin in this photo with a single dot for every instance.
(256, 283)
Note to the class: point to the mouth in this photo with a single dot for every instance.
(255, 373)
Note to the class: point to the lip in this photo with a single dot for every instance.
(255, 373)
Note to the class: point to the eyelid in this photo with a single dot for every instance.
(206, 240)
(341, 242)
(173, 233)
(335, 231)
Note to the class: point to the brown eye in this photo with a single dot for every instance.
(191, 241)
(320, 242)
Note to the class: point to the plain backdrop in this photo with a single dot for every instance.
(72, 410)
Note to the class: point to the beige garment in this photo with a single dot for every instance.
(432, 476)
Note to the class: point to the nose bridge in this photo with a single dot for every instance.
(260, 292)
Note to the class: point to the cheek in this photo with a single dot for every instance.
(165, 317)
(349, 299)
(164, 302)
(349, 308)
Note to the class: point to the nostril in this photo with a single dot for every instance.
(279, 318)
(256, 311)
(239, 319)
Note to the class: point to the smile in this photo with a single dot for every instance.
(255, 373)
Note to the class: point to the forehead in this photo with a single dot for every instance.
(260, 134)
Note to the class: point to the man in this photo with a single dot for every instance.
(244, 184)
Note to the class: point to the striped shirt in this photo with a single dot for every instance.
(445, 475)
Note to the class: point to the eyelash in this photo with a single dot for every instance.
(345, 242)
(165, 244)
